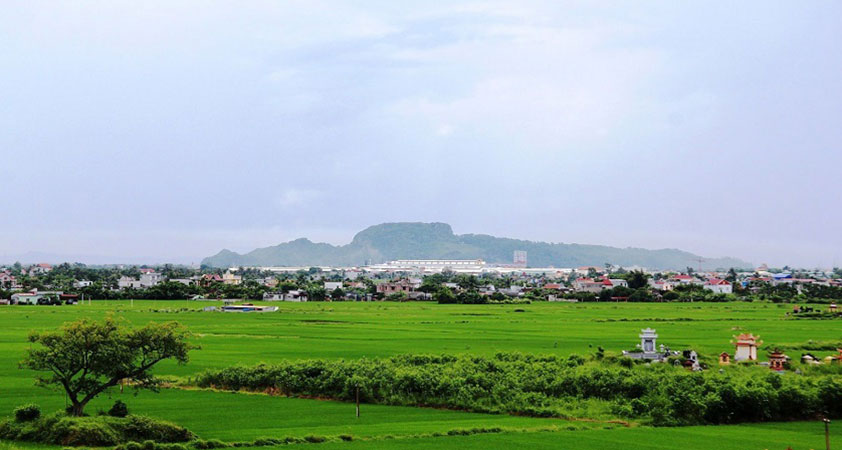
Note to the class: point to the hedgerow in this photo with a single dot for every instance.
(545, 385)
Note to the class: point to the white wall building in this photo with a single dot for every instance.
(718, 286)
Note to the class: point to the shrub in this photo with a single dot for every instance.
(119, 409)
(59, 429)
(27, 413)
(315, 439)
(209, 444)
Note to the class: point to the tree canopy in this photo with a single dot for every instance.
(87, 357)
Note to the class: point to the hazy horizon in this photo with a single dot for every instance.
(167, 131)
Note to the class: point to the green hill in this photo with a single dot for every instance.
(390, 241)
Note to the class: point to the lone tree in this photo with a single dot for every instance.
(87, 357)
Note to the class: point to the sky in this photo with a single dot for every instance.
(164, 131)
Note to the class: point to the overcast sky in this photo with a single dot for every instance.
(166, 131)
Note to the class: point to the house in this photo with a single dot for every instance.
(126, 282)
(34, 296)
(6, 279)
(661, 285)
(588, 285)
(718, 286)
(38, 269)
(394, 287)
(684, 279)
(229, 278)
(331, 286)
(291, 296)
(618, 282)
(352, 274)
(184, 281)
(82, 284)
(149, 278)
(69, 299)
(26, 298)
(746, 347)
(209, 278)
(553, 286)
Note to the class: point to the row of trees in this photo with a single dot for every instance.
(551, 386)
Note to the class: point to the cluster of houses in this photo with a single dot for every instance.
(404, 278)
(36, 297)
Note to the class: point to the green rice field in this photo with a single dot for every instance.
(358, 330)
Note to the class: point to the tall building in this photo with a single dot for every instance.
(520, 258)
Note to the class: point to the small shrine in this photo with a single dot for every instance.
(809, 358)
(648, 348)
(746, 347)
(724, 359)
(777, 360)
(647, 340)
(691, 360)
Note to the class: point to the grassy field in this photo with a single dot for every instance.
(355, 330)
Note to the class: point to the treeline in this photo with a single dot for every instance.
(547, 386)
(787, 293)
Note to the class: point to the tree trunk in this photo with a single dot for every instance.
(78, 408)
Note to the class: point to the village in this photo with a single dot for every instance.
(418, 280)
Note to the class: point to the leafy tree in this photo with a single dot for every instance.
(337, 294)
(87, 357)
(470, 298)
(637, 279)
(467, 282)
(444, 296)
(316, 293)
(732, 276)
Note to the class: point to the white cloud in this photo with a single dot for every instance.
(292, 197)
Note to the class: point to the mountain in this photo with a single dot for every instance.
(391, 241)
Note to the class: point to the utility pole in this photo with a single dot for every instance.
(827, 433)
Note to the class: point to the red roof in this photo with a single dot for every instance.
(718, 282)
(683, 277)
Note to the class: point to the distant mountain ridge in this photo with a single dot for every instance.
(415, 240)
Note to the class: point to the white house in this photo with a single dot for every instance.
(126, 282)
(230, 278)
(32, 297)
(618, 282)
(719, 286)
(331, 286)
(291, 296)
(26, 298)
(82, 283)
